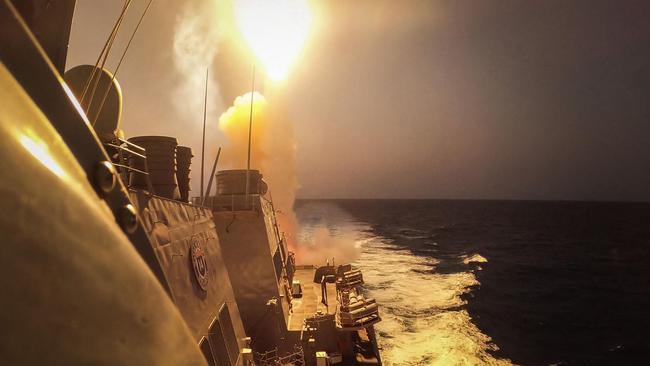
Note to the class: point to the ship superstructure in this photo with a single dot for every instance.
(289, 311)
(110, 263)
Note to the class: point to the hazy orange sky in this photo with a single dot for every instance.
(418, 99)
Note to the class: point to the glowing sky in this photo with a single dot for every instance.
(432, 99)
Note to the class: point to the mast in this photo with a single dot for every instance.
(250, 129)
(205, 107)
(214, 168)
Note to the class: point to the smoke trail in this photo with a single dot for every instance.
(273, 149)
(234, 124)
(197, 35)
(273, 152)
(281, 171)
(196, 40)
(324, 245)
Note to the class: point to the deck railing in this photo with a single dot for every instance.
(271, 358)
(120, 152)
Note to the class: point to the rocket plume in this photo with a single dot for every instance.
(273, 152)
(276, 31)
(234, 125)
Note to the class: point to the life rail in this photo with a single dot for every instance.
(120, 151)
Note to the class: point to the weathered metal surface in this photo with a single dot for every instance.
(234, 182)
(247, 251)
(26, 61)
(311, 300)
(199, 263)
(74, 289)
(50, 21)
(174, 229)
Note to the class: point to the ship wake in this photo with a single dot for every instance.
(423, 319)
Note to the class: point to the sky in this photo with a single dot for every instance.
(413, 99)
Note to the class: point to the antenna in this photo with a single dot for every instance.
(205, 107)
(214, 168)
(250, 129)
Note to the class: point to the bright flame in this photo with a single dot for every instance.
(276, 30)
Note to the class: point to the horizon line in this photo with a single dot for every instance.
(470, 199)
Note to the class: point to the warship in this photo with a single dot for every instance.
(107, 260)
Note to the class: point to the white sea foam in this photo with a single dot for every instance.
(474, 258)
(422, 322)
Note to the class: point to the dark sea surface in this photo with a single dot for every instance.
(498, 282)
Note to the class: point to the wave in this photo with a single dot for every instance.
(423, 322)
(474, 258)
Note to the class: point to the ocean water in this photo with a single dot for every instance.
(497, 282)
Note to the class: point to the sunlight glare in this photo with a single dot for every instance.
(40, 151)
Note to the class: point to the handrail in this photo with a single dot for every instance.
(125, 150)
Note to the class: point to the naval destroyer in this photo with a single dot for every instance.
(105, 259)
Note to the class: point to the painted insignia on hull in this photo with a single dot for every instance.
(200, 264)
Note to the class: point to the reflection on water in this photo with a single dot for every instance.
(423, 320)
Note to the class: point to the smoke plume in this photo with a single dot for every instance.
(198, 34)
(273, 152)
(196, 40)
(273, 145)
(323, 246)
(234, 124)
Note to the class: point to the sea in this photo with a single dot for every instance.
(463, 282)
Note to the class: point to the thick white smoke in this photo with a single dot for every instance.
(322, 246)
(196, 42)
(198, 32)
(273, 152)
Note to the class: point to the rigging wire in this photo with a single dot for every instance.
(117, 68)
(108, 50)
(99, 58)
(103, 56)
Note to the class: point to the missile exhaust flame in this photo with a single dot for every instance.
(275, 30)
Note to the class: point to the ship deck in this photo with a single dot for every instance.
(310, 302)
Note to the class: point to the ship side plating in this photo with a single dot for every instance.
(256, 257)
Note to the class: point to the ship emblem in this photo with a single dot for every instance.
(200, 264)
